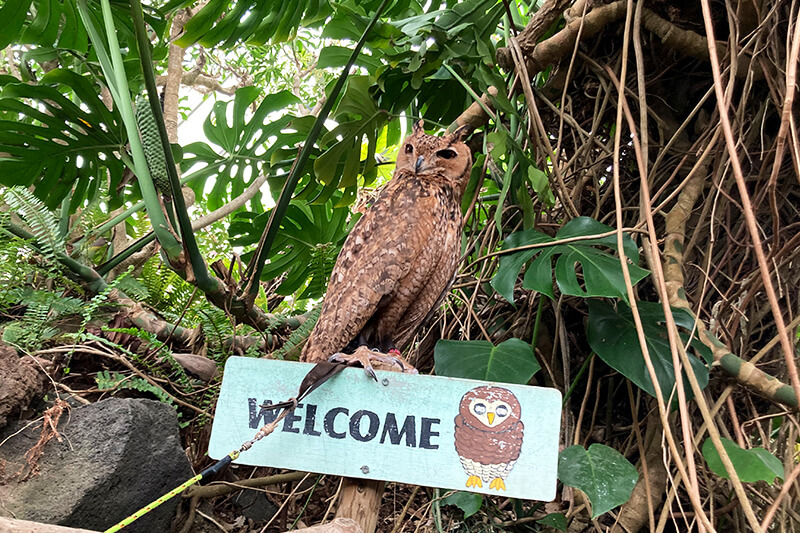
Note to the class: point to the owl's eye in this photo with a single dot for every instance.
(446, 153)
(501, 411)
(480, 408)
(409, 148)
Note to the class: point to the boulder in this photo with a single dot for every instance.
(115, 456)
(20, 383)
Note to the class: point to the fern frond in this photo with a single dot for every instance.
(42, 222)
(101, 298)
(216, 325)
(298, 336)
(32, 330)
(108, 381)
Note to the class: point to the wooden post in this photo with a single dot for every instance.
(360, 500)
(340, 525)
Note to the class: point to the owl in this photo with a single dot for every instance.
(488, 435)
(400, 258)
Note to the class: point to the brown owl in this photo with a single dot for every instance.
(488, 435)
(400, 258)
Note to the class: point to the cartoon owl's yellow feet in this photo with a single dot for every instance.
(475, 481)
(497, 483)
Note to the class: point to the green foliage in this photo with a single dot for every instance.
(111, 381)
(42, 310)
(32, 330)
(166, 291)
(91, 307)
(157, 348)
(469, 502)
(291, 347)
(60, 147)
(357, 117)
(305, 247)
(278, 66)
(226, 24)
(519, 172)
(416, 44)
(215, 323)
(612, 334)
(511, 361)
(14, 270)
(56, 24)
(602, 473)
(245, 147)
(42, 222)
(42, 22)
(132, 288)
(755, 464)
(21, 274)
(602, 272)
(555, 520)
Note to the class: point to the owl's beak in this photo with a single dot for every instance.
(418, 164)
(490, 416)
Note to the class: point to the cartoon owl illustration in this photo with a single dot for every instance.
(488, 435)
(398, 262)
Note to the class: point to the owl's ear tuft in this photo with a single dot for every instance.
(460, 133)
(418, 126)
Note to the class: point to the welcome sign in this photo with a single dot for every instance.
(491, 438)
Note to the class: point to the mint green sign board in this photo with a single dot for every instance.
(491, 438)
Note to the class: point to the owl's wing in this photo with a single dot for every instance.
(437, 287)
(380, 250)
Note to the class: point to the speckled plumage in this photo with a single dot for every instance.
(488, 447)
(401, 255)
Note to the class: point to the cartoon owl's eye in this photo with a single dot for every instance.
(501, 411)
(480, 408)
(446, 153)
(409, 148)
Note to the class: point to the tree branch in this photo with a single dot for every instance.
(540, 55)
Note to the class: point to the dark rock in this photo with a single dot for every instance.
(115, 457)
(255, 505)
(20, 383)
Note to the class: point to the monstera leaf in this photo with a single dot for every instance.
(42, 22)
(55, 23)
(225, 24)
(59, 146)
(337, 56)
(305, 247)
(602, 272)
(243, 147)
(612, 334)
(358, 117)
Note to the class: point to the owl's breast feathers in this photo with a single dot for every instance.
(487, 445)
(396, 262)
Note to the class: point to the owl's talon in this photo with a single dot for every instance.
(497, 483)
(475, 481)
(365, 358)
(354, 360)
